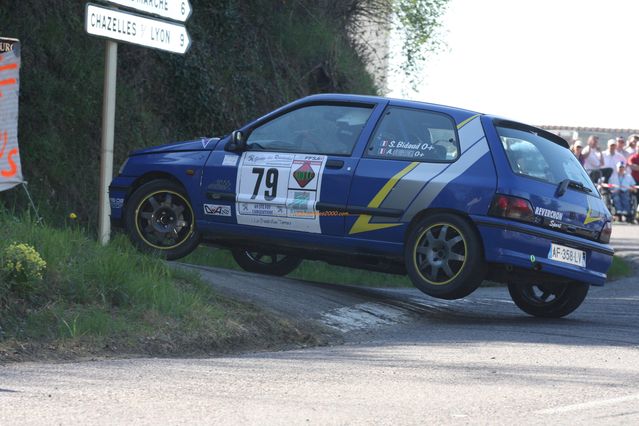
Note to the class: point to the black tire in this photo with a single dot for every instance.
(265, 263)
(548, 301)
(160, 220)
(444, 256)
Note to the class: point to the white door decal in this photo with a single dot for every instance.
(278, 190)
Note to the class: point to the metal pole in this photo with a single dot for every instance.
(35, 209)
(108, 128)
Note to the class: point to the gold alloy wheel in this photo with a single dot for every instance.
(164, 220)
(440, 253)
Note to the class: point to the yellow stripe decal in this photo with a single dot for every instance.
(466, 121)
(362, 224)
(591, 219)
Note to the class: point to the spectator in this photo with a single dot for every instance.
(632, 144)
(610, 159)
(633, 165)
(593, 160)
(577, 149)
(621, 146)
(622, 186)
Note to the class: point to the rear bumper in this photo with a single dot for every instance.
(512, 243)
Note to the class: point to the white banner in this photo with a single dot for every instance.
(10, 169)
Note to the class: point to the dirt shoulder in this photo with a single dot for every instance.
(243, 328)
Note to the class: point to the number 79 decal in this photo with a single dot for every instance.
(270, 182)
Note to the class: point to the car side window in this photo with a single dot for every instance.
(316, 129)
(415, 135)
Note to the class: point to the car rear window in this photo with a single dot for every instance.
(532, 155)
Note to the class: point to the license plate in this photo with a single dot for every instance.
(567, 255)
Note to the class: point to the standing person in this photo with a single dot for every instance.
(632, 144)
(633, 165)
(593, 160)
(577, 149)
(621, 146)
(610, 159)
(622, 187)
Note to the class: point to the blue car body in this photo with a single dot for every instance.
(363, 203)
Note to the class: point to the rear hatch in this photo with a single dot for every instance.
(544, 171)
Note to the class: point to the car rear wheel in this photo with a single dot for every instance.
(160, 220)
(265, 263)
(444, 257)
(548, 301)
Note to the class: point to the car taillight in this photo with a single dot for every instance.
(512, 208)
(604, 236)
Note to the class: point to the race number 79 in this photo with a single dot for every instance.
(270, 182)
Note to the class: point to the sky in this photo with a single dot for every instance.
(543, 62)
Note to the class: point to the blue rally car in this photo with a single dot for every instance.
(448, 196)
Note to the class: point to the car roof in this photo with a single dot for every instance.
(394, 101)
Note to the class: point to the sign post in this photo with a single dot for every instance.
(119, 25)
(108, 129)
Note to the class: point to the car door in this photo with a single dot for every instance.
(292, 162)
(408, 161)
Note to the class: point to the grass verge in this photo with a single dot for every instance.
(95, 300)
(619, 269)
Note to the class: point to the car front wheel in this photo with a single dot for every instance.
(265, 263)
(444, 257)
(548, 301)
(160, 219)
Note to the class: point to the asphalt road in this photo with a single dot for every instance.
(405, 358)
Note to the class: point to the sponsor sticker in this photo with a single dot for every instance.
(230, 160)
(554, 224)
(304, 174)
(551, 214)
(217, 210)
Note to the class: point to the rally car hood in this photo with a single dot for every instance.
(201, 144)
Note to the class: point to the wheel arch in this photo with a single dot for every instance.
(151, 176)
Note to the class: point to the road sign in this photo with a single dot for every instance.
(132, 28)
(178, 10)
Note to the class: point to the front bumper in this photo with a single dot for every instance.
(118, 194)
(513, 243)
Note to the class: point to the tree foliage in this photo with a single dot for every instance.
(415, 22)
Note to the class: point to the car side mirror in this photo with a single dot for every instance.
(238, 141)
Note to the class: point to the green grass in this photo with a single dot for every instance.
(91, 296)
(619, 269)
(308, 270)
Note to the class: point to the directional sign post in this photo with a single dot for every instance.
(132, 28)
(119, 25)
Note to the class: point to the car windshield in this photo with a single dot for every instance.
(532, 155)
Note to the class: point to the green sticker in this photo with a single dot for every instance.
(532, 258)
